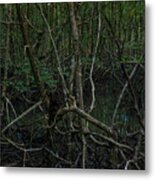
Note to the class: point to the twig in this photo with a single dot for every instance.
(11, 105)
(57, 156)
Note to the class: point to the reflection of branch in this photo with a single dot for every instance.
(22, 115)
(141, 121)
(93, 61)
(122, 93)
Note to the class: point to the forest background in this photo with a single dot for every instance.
(73, 85)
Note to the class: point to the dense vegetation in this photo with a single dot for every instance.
(72, 85)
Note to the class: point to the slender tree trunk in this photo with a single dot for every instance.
(78, 74)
